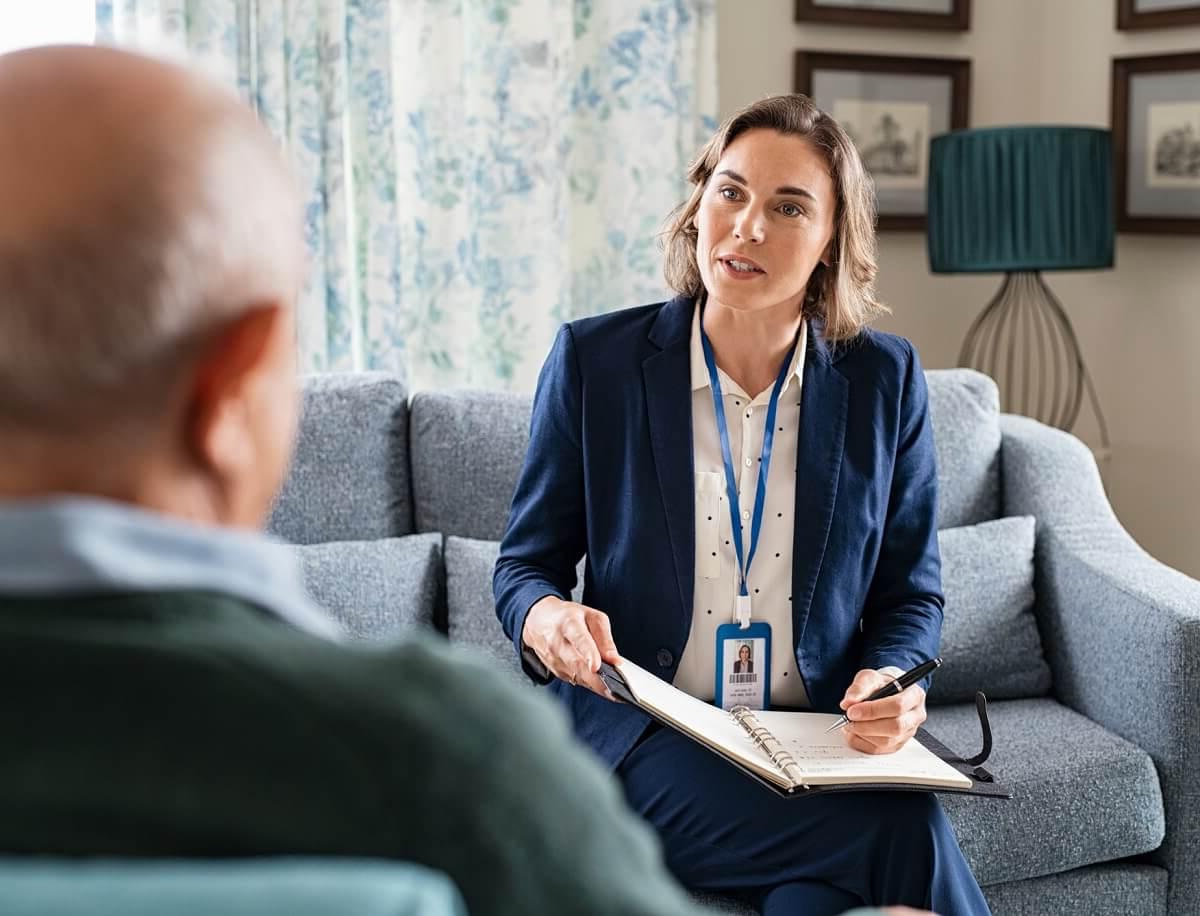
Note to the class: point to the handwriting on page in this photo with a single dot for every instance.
(826, 754)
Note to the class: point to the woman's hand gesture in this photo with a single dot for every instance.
(571, 640)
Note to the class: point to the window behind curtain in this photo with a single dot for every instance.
(44, 22)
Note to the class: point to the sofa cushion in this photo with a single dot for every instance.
(247, 887)
(375, 589)
(467, 450)
(1125, 887)
(349, 478)
(990, 639)
(1081, 795)
(471, 609)
(964, 408)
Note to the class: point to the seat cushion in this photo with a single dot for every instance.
(376, 588)
(1081, 795)
(470, 606)
(259, 887)
(1124, 887)
(964, 408)
(467, 450)
(349, 479)
(990, 639)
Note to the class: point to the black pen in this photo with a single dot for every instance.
(893, 687)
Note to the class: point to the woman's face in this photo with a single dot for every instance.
(744, 653)
(765, 220)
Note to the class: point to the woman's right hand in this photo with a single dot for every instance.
(571, 640)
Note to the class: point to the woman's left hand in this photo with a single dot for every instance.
(881, 726)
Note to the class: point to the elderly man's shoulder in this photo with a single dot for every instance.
(410, 677)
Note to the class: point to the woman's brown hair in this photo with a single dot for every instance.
(842, 295)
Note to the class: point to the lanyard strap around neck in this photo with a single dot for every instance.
(731, 490)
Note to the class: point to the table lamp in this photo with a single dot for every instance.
(1022, 200)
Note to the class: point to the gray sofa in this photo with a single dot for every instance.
(1087, 647)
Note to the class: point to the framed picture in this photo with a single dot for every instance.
(948, 15)
(1156, 142)
(890, 106)
(1157, 14)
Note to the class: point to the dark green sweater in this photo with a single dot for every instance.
(192, 724)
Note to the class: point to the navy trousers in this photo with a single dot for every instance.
(722, 831)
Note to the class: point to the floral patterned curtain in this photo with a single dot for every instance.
(477, 171)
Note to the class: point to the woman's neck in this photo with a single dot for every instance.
(751, 346)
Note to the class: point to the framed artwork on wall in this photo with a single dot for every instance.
(1157, 14)
(890, 106)
(1156, 142)
(947, 15)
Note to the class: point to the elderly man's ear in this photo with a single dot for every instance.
(242, 411)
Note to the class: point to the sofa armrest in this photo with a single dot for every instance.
(1121, 630)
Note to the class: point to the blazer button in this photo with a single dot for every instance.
(665, 658)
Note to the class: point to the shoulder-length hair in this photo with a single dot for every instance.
(841, 296)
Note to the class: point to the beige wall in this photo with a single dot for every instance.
(1139, 324)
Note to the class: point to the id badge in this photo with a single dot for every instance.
(743, 665)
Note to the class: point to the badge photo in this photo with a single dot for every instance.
(743, 666)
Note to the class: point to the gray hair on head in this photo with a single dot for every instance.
(141, 208)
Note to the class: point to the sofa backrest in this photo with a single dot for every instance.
(467, 448)
(371, 465)
(964, 407)
(349, 479)
(417, 494)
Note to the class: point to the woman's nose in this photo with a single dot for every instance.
(748, 227)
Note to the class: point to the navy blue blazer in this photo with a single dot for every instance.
(609, 473)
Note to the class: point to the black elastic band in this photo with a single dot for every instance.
(985, 727)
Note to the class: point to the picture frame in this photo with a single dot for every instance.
(891, 107)
(940, 15)
(1156, 143)
(1157, 14)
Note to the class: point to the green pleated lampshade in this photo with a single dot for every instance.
(1020, 198)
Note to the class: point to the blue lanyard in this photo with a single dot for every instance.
(731, 490)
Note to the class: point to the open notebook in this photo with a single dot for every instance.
(789, 750)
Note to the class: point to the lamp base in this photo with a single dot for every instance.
(1024, 340)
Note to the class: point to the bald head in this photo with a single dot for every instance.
(140, 206)
(143, 212)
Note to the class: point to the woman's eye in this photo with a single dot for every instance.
(790, 210)
(729, 193)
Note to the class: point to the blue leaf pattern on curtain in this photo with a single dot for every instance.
(476, 171)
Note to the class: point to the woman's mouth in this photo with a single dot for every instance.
(741, 268)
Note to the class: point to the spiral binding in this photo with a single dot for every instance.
(762, 737)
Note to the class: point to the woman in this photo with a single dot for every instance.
(650, 427)
(743, 665)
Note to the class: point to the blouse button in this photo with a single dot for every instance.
(665, 658)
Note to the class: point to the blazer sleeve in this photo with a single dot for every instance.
(547, 526)
(902, 616)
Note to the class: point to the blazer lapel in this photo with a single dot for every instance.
(666, 376)
(824, 404)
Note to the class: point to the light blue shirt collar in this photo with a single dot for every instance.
(66, 545)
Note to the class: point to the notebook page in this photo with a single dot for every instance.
(826, 759)
(704, 722)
